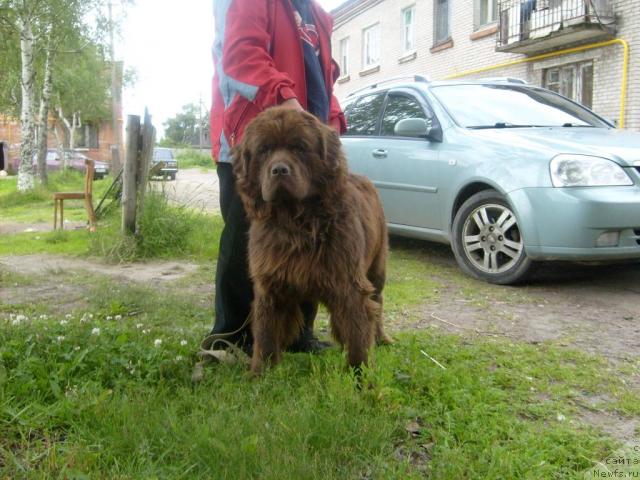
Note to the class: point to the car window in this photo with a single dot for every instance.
(400, 107)
(363, 115)
(159, 155)
(512, 106)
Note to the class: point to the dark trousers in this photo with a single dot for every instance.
(234, 289)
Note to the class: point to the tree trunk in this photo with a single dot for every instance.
(44, 118)
(27, 124)
(71, 126)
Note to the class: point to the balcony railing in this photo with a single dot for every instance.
(530, 26)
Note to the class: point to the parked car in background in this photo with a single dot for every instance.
(170, 168)
(75, 161)
(504, 172)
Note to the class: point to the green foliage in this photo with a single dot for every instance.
(81, 82)
(190, 158)
(184, 128)
(166, 231)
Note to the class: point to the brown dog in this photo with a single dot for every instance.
(317, 234)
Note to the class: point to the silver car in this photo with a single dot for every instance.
(506, 173)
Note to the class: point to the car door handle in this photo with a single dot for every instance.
(379, 153)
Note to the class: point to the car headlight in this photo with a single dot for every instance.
(586, 171)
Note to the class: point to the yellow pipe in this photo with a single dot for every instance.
(625, 67)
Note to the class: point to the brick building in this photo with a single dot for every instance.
(95, 140)
(378, 39)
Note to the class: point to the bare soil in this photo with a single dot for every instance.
(194, 187)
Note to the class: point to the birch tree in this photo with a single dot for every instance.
(40, 27)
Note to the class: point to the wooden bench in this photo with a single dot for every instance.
(60, 197)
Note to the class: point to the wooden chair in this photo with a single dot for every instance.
(60, 197)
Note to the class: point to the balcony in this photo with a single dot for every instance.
(535, 26)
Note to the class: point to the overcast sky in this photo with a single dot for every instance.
(168, 43)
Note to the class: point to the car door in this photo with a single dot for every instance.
(406, 169)
(363, 126)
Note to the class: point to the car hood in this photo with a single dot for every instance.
(622, 146)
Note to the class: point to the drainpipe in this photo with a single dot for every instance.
(615, 41)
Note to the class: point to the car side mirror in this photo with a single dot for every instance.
(412, 127)
(419, 127)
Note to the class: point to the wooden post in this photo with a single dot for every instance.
(148, 141)
(129, 189)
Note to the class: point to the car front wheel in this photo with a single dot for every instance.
(487, 240)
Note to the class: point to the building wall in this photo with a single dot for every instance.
(471, 49)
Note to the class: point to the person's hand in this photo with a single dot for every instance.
(293, 104)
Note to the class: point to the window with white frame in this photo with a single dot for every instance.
(486, 11)
(574, 81)
(441, 20)
(344, 57)
(371, 46)
(408, 22)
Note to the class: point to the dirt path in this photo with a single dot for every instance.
(150, 272)
(194, 187)
(593, 308)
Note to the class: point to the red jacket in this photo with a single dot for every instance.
(259, 63)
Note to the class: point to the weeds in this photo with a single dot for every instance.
(194, 158)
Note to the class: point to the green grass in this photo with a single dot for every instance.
(194, 158)
(37, 205)
(79, 405)
(68, 242)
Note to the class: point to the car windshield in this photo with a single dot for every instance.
(512, 106)
(160, 155)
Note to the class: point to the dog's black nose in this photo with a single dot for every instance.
(280, 169)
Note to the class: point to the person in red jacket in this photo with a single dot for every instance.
(266, 53)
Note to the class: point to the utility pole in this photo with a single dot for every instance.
(115, 124)
(200, 122)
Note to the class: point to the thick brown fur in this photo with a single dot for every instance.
(317, 234)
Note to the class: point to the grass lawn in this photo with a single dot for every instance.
(101, 388)
(37, 206)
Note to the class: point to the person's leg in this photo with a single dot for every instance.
(307, 342)
(234, 290)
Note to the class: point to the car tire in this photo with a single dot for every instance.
(487, 241)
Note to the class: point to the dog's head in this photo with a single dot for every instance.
(287, 157)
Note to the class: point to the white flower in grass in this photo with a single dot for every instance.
(60, 338)
(64, 322)
(43, 317)
(183, 343)
(179, 358)
(145, 332)
(118, 317)
(86, 317)
(109, 317)
(139, 325)
(157, 342)
(95, 331)
(561, 417)
(76, 348)
(68, 316)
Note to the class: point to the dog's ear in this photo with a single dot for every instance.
(240, 158)
(332, 149)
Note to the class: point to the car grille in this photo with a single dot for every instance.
(637, 232)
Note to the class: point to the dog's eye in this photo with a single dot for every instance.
(264, 149)
(299, 148)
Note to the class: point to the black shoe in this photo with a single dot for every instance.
(308, 343)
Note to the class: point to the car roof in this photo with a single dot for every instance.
(422, 83)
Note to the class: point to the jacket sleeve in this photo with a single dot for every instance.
(336, 115)
(246, 60)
